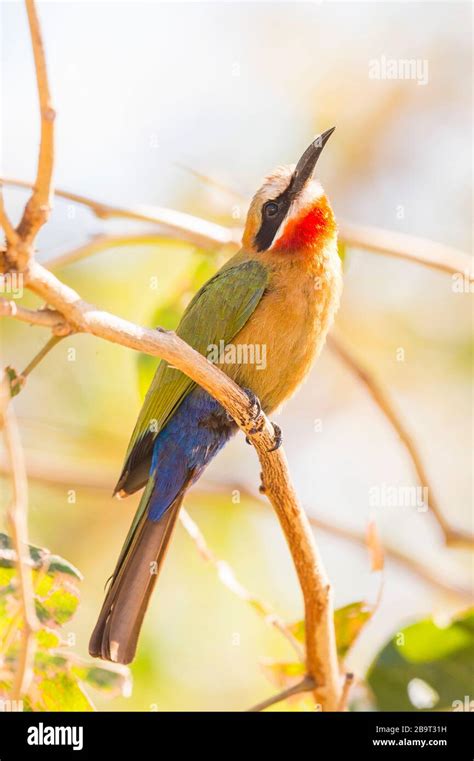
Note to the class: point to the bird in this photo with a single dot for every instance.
(280, 292)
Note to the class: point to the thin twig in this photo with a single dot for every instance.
(37, 209)
(397, 555)
(100, 243)
(420, 250)
(11, 235)
(452, 536)
(207, 180)
(306, 685)
(18, 526)
(227, 576)
(348, 682)
(40, 355)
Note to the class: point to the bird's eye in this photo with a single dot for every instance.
(271, 209)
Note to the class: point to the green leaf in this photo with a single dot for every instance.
(298, 631)
(15, 381)
(39, 558)
(55, 582)
(348, 622)
(425, 666)
(342, 251)
(59, 676)
(112, 679)
(62, 692)
(47, 639)
(58, 607)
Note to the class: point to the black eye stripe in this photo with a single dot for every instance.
(270, 224)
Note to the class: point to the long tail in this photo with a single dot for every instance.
(118, 627)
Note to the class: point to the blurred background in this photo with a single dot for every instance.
(144, 90)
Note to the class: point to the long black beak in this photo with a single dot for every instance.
(306, 164)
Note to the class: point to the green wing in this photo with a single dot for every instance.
(218, 311)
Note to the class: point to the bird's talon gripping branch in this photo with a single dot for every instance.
(277, 438)
(256, 407)
(163, 330)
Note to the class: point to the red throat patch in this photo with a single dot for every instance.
(312, 228)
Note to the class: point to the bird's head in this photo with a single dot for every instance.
(290, 214)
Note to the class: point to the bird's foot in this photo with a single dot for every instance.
(255, 411)
(277, 438)
(163, 330)
(255, 403)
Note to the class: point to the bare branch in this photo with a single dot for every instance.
(173, 224)
(306, 685)
(45, 318)
(452, 536)
(420, 250)
(227, 576)
(18, 526)
(38, 207)
(11, 235)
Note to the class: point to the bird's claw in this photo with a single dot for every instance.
(255, 412)
(277, 438)
(254, 401)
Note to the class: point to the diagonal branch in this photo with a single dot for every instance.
(452, 536)
(306, 685)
